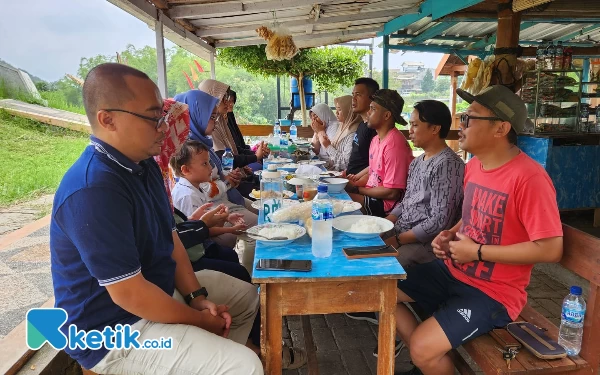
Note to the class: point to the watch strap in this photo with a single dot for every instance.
(200, 292)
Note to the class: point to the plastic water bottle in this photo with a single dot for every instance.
(293, 131)
(558, 58)
(227, 161)
(550, 53)
(277, 129)
(322, 217)
(271, 192)
(540, 58)
(571, 323)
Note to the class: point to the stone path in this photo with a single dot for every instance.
(17, 216)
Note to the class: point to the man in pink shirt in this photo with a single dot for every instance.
(389, 157)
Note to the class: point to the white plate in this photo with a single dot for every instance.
(290, 167)
(344, 223)
(331, 174)
(312, 162)
(279, 160)
(283, 172)
(286, 195)
(348, 206)
(286, 203)
(298, 230)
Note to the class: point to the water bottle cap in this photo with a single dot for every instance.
(576, 290)
(227, 149)
(322, 189)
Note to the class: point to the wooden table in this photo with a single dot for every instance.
(335, 285)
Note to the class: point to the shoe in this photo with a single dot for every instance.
(413, 371)
(397, 349)
(368, 316)
(292, 358)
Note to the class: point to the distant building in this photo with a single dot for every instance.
(411, 66)
(18, 80)
(409, 77)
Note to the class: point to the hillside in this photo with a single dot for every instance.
(35, 79)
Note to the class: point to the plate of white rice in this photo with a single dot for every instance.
(362, 226)
(291, 231)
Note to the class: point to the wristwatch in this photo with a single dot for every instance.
(200, 292)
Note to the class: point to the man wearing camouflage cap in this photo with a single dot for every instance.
(389, 157)
(509, 222)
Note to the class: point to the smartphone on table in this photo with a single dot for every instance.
(284, 265)
(370, 251)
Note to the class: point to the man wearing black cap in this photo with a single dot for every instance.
(389, 157)
(510, 221)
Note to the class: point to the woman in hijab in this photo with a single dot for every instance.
(339, 147)
(323, 121)
(222, 137)
(245, 155)
(203, 112)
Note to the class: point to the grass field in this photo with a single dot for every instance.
(34, 157)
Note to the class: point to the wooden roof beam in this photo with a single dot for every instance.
(236, 8)
(226, 31)
(560, 17)
(341, 35)
(578, 52)
(219, 32)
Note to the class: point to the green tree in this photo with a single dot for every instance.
(427, 85)
(330, 67)
(442, 84)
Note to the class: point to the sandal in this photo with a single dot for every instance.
(292, 358)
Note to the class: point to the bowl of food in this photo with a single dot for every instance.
(362, 226)
(335, 184)
(276, 234)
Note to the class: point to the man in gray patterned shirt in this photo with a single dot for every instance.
(434, 189)
(434, 192)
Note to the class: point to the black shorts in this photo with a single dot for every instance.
(374, 207)
(464, 312)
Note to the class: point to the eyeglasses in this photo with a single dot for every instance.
(464, 119)
(158, 120)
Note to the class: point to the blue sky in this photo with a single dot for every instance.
(48, 38)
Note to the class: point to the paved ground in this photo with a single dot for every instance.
(17, 216)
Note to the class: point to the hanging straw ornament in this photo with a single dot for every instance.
(280, 45)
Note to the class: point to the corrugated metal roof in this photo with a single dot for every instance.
(463, 35)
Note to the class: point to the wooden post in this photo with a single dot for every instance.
(386, 61)
(454, 84)
(161, 62)
(507, 37)
(213, 73)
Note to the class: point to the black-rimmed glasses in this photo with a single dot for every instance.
(158, 120)
(464, 119)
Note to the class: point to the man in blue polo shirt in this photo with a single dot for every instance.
(116, 258)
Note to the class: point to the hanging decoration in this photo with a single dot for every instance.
(280, 45)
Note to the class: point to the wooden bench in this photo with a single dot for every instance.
(581, 255)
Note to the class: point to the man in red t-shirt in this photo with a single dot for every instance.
(510, 221)
(389, 157)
